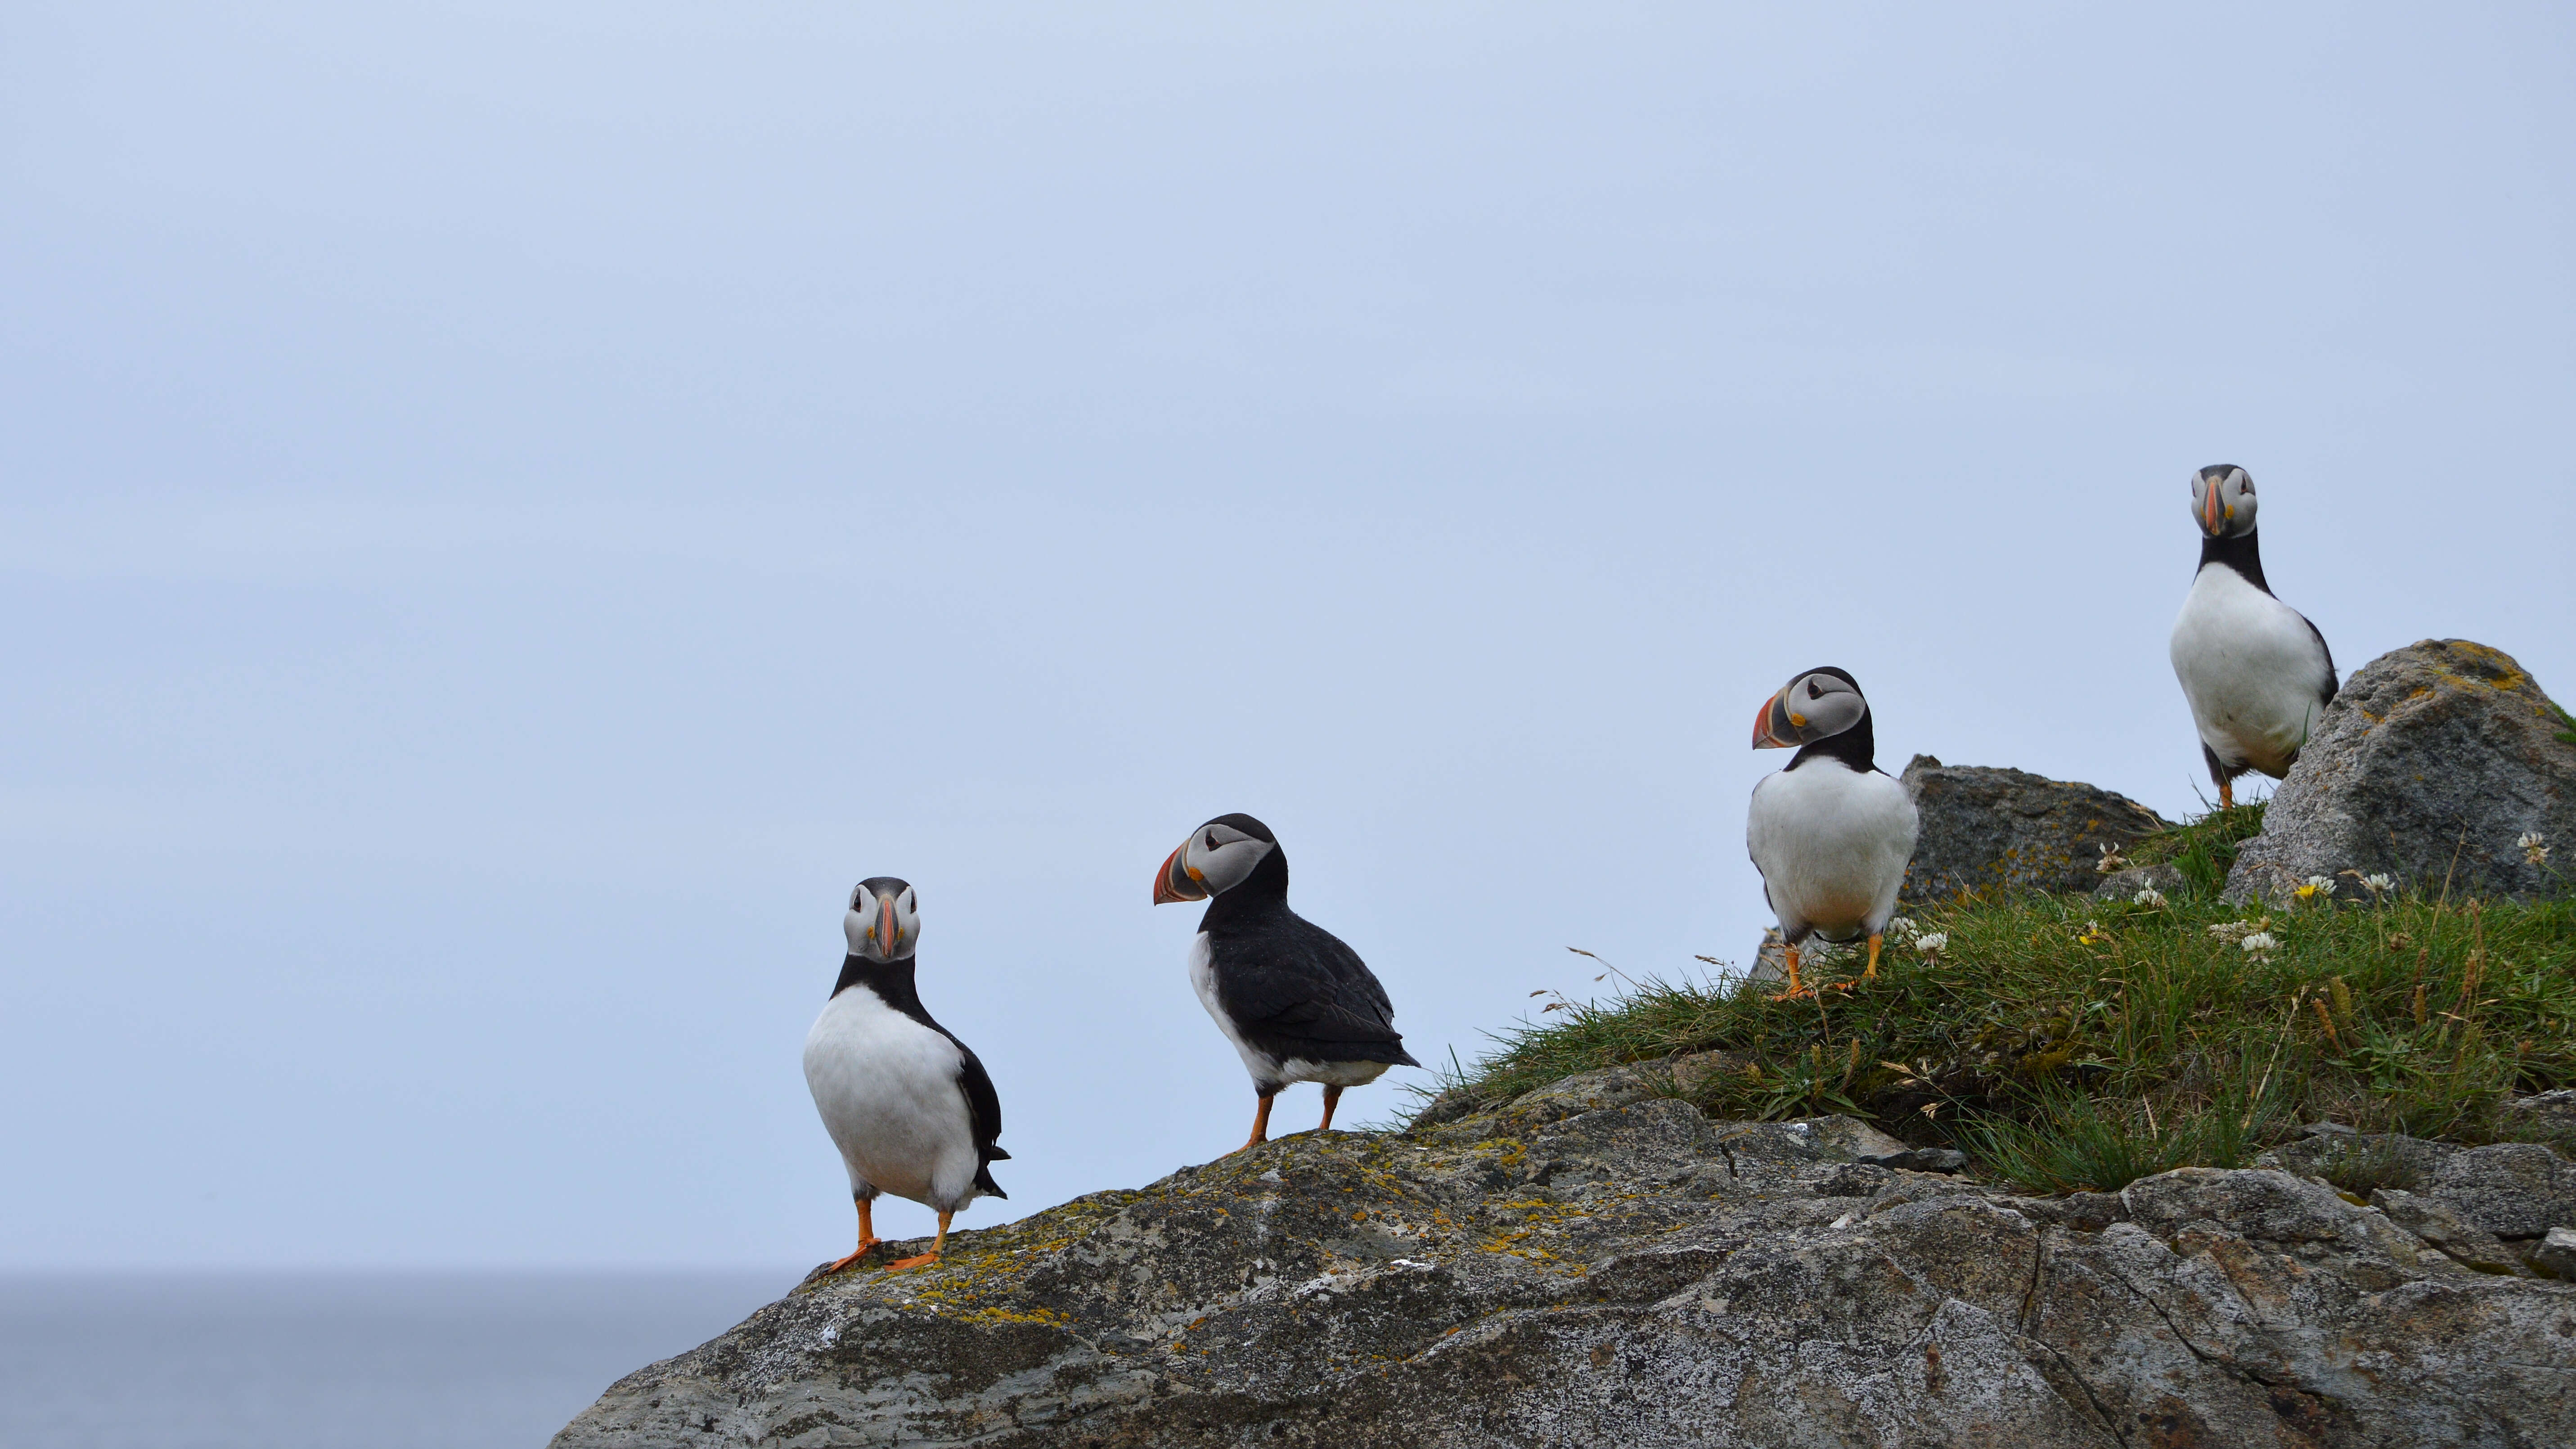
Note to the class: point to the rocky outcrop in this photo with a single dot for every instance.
(1597, 1263)
(2431, 766)
(1988, 830)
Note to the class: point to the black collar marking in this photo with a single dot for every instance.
(2239, 554)
(1856, 747)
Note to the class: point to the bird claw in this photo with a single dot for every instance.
(900, 1264)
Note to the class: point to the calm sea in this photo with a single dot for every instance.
(338, 1361)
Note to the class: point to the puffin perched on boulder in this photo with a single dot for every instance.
(906, 1102)
(1832, 833)
(1298, 1005)
(2256, 672)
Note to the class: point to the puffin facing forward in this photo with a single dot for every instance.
(905, 1101)
(1298, 1005)
(2256, 672)
(1831, 833)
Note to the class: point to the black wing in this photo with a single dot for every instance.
(2326, 693)
(1305, 993)
(984, 1107)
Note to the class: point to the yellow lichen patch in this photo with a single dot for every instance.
(1042, 1317)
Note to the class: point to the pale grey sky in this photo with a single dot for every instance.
(504, 519)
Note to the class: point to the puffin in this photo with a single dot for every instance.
(2256, 672)
(1832, 833)
(1298, 1005)
(906, 1102)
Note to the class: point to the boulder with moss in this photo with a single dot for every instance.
(2442, 765)
(1597, 1262)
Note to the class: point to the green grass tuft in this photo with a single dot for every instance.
(2205, 849)
(2070, 1043)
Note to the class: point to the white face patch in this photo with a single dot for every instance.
(865, 925)
(1220, 856)
(2235, 503)
(1821, 706)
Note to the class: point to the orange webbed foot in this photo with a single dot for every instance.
(842, 1264)
(899, 1264)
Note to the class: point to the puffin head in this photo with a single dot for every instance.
(2222, 501)
(884, 923)
(1216, 858)
(1818, 704)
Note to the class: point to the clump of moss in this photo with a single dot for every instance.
(2065, 1042)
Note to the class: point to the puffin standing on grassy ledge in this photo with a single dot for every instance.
(2256, 672)
(1832, 833)
(1298, 1005)
(905, 1101)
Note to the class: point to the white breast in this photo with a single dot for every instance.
(1264, 1067)
(2251, 669)
(1831, 843)
(887, 1088)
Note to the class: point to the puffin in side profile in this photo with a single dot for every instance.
(905, 1101)
(2256, 672)
(1298, 1005)
(1831, 833)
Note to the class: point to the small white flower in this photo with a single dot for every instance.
(1932, 945)
(1902, 927)
(2259, 941)
(2111, 859)
(2378, 884)
(2534, 848)
(2148, 896)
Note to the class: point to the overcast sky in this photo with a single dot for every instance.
(505, 518)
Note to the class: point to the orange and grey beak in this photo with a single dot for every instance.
(2213, 509)
(1176, 881)
(883, 928)
(1774, 728)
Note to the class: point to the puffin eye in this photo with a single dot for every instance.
(1814, 691)
(1211, 843)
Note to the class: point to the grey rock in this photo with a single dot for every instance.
(2547, 1114)
(2428, 767)
(1551, 1272)
(2330, 1149)
(2512, 1189)
(1922, 1159)
(2124, 885)
(1986, 831)
(2464, 1243)
(2556, 1254)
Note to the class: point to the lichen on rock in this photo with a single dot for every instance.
(2434, 766)
(1596, 1262)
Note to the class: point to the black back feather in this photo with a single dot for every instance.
(1291, 987)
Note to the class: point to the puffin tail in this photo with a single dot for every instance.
(984, 1182)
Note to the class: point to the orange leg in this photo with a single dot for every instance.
(1260, 1125)
(1332, 1099)
(1872, 973)
(867, 1236)
(1790, 955)
(2226, 794)
(932, 1256)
